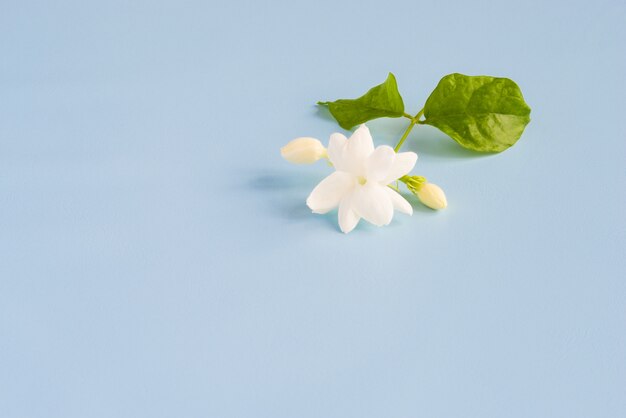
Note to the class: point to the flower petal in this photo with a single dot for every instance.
(348, 218)
(328, 193)
(359, 146)
(403, 164)
(399, 203)
(336, 149)
(380, 162)
(372, 203)
(361, 141)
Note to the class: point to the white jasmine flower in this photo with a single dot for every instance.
(303, 151)
(359, 186)
(432, 196)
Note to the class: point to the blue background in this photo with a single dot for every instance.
(158, 260)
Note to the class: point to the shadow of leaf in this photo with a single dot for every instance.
(426, 140)
(324, 113)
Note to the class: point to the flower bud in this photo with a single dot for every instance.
(303, 151)
(432, 196)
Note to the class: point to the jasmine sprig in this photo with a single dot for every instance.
(481, 113)
(364, 184)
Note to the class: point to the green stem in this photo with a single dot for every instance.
(391, 186)
(414, 120)
(405, 135)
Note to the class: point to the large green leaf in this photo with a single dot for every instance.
(383, 100)
(481, 113)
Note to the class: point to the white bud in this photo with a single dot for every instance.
(432, 196)
(303, 151)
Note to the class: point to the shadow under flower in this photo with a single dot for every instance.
(286, 195)
(268, 181)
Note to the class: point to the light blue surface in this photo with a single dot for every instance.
(158, 259)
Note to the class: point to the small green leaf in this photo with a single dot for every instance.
(383, 100)
(482, 113)
(413, 183)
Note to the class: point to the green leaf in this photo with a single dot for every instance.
(482, 113)
(383, 100)
(413, 183)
